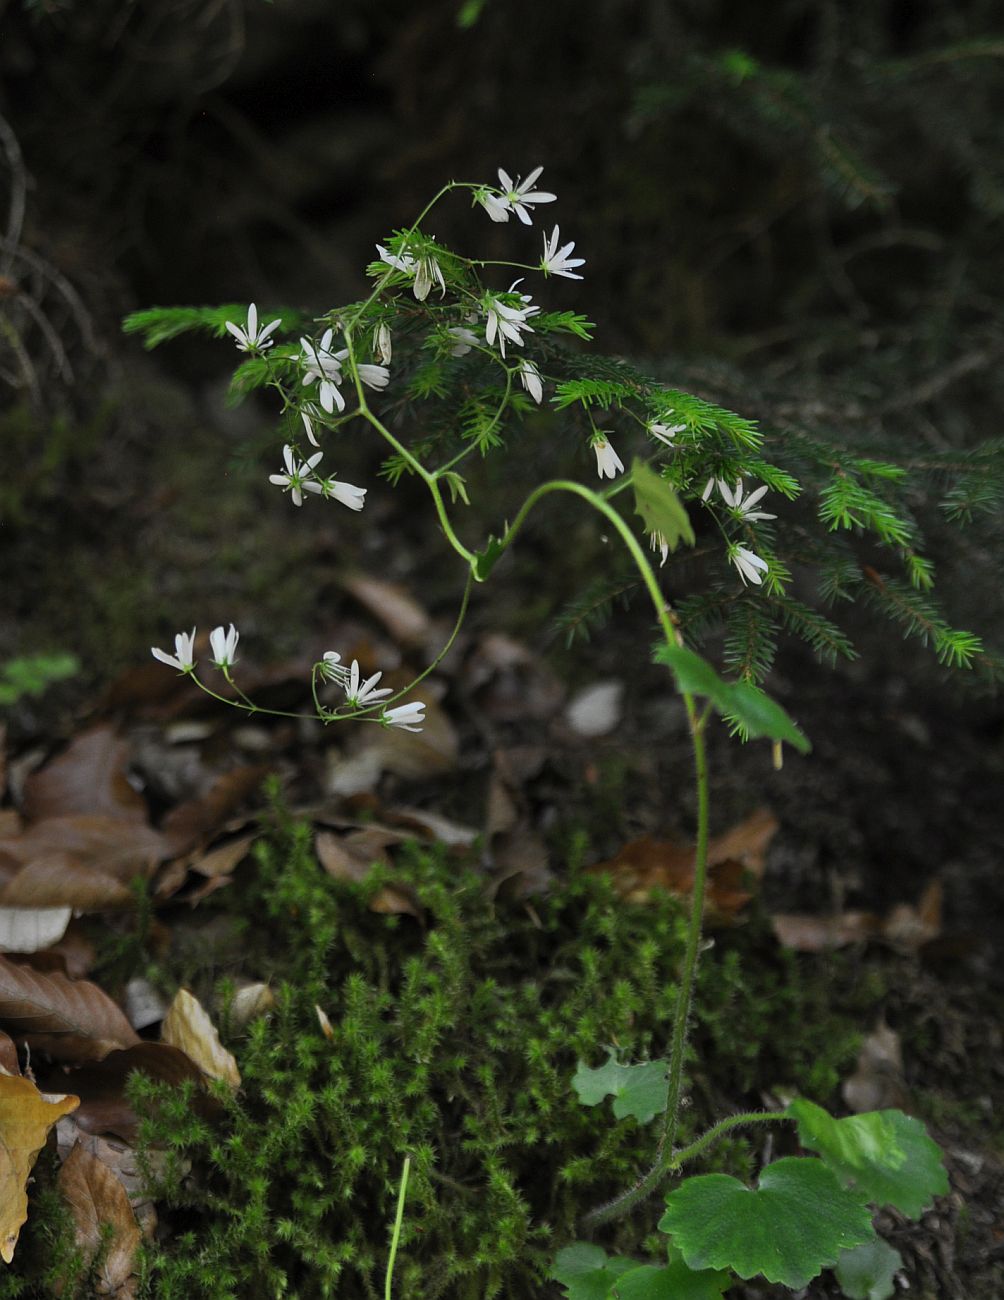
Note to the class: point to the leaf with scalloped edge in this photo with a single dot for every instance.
(638, 1090)
(587, 1271)
(884, 1154)
(795, 1223)
(674, 1281)
(867, 1272)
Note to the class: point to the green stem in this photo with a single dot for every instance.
(678, 1043)
(718, 1131)
(398, 1220)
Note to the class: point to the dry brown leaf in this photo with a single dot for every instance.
(509, 682)
(8, 1055)
(26, 1115)
(103, 1220)
(115, 847)
(188, 1027)
(402, 615)
(71, 1019)
(324, 1022)
(64, 880)
(101, 1086)
(808, 933)
(124, 1163)
(197, 820)
(908, 928)
(222, 860)
(432, 826)
(351, 857)
(89, 777)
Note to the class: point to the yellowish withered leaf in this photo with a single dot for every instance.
(26, 1115)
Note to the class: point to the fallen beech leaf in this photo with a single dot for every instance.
(29, 929)
(402, 616)
(596, 710)
(63, 880)
(197, 820)
(510, 683)
(89, 777)
(432, 826)
(909, 928)
(807, 933)
(187, 1026)
(110, 845)
(222, 860)
(143, 1004)
(8, 1055)
(103, 1220)
(71, 1019)
(26, 1115)
(101, 1086)
(351, 857)
(123, 1162)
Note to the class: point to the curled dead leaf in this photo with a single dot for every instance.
(104, 1225)
(187, 1026)
(26, 1115)
(90, 776)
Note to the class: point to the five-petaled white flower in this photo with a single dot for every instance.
(608, 463)
(298, 478)
(664, 432)
(405, 716)
(363, 693)
(506, 321)
(657, 542)
(751, 567)
(224, 646)
(251, 338)
(346, 493)
(532, 380)
(520, 195)
(320, 363)
(183, 657)
(556, 260)
(744, 505)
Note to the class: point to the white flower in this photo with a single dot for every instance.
(298, 478)
(496, 207)
(466, 339)
(306, 415)
(372, 376)
(744, 505)
(657, 542)
(182, 659)
(365, 693)
(252, 338)
(608, 463)
(346, 493)
(224, 646)
(520, 196)
(556, 260)
(320, 363)
(506, 321)
(383, 347)
(748, 564)
(405, 715)
(532, 381)
(332, 669)
(664, 432)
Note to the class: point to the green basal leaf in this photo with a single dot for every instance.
(792, 1226)
(747, 707)
(675, 1281)
(884, 1154)
(638, 1090)
(587, 1272)
(867, 1272)
(487, 559)
(33, 674)
(660, 508)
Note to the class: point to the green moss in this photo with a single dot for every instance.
(454, 1041)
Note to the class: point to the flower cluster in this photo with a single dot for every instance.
(300, 477)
